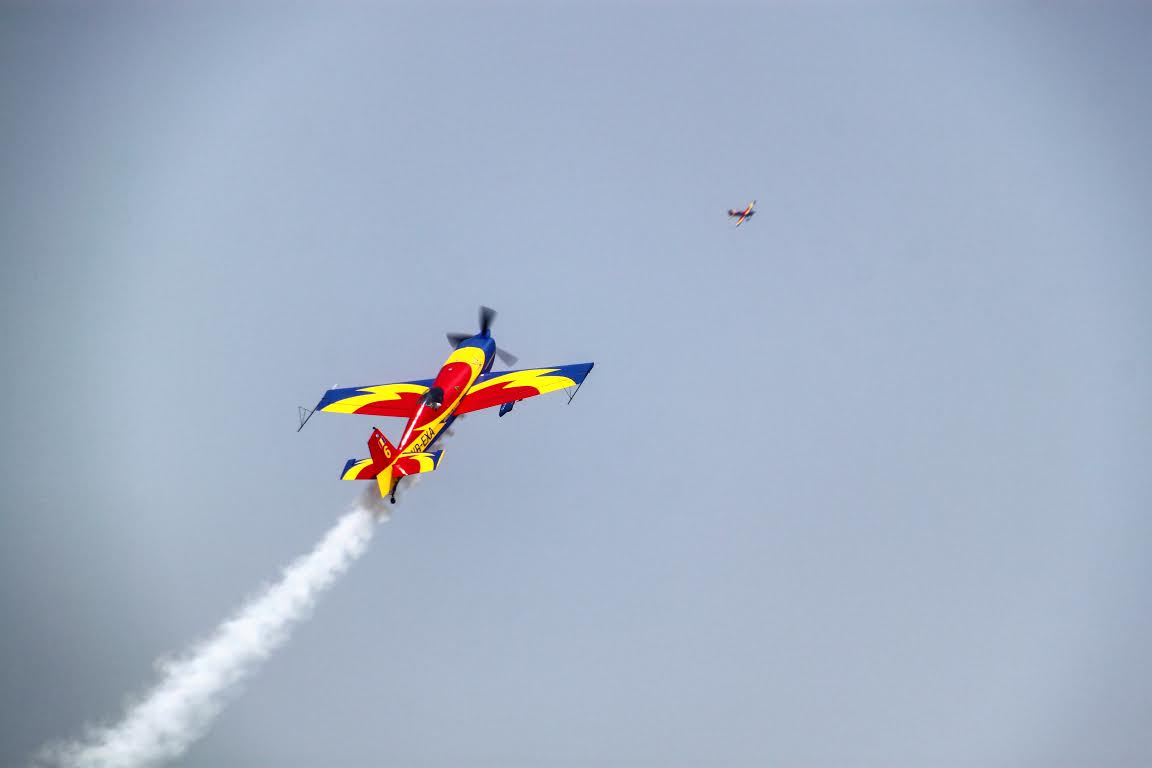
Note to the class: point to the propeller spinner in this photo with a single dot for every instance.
(487, 315)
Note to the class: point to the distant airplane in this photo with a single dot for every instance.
(465, 383)
(747, 213)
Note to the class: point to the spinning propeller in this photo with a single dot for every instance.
(487, 315)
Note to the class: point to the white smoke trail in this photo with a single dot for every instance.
(193, 689)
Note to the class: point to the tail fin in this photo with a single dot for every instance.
(387, 484)
(384, 455)
(383, 452)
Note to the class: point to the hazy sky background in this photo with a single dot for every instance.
(864, 482)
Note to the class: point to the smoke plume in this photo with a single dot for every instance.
(194, 688)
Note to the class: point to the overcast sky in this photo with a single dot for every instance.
(865, 482)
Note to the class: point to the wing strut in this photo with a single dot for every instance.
(304, 418)
(572, 396)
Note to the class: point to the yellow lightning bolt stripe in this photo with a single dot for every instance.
(379, 394)
(537, 378)
(353, 472)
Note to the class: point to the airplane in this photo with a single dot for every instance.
(747, 213)
(464, 384)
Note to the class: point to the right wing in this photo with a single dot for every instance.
(376, 400)
(513, 386)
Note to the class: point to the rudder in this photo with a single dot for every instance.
(383, 455)
(382, 451)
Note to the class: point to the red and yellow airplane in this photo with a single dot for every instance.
(465, 384)
(747, 213)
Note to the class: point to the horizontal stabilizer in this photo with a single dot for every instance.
(359, 469)
(415, 463)
(407, 464)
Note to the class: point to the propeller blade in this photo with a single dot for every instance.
(487, 315)
(455, 338)
(506, 357)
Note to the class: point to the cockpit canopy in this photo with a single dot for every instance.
(433, 398)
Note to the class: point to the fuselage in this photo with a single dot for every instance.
(436, 410)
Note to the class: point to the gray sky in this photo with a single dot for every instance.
(865, 482)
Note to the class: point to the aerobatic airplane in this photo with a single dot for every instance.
(747, 213)
(465, 384)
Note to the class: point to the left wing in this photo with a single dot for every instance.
(377, 400)
(511, 386)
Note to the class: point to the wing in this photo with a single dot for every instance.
(376, 400)
(742, 217)
(510, 386)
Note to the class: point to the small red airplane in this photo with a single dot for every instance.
(465, 384)
(747, 213)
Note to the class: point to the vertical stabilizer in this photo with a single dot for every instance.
(383, 453)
